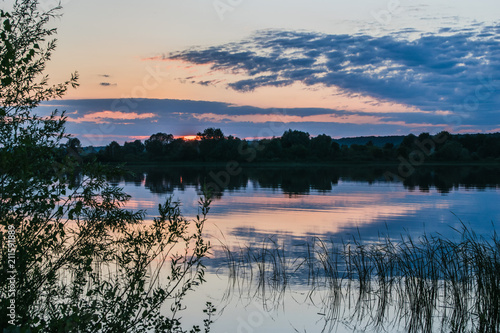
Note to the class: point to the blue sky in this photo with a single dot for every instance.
(256, 68)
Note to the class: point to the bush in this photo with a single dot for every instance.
(73, 259)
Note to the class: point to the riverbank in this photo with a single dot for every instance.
(293, 164)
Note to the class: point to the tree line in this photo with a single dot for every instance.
(212, 145)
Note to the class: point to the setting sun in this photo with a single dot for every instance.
(188, 137)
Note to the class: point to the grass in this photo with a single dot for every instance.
(427, 284)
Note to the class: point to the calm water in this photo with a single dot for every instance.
(292, 206)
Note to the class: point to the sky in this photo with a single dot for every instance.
(256, 68)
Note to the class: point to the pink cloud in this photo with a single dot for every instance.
(104, 117)
(139, 137)
(321, 118)
(468, 131)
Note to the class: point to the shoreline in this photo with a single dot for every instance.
(283, 164)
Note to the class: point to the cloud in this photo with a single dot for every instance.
(100, 121)
(453, 69)
(104, 117)
(353, 118)
(107, 84)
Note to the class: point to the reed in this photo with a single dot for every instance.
(425, 284)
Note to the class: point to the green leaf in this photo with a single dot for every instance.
(7, 26)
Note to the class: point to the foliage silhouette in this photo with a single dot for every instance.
(296, 146)
(73, 259)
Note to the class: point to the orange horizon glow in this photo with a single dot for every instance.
(188, 137)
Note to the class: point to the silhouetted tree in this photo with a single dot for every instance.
(79, 261)
(295, 144)
(113, 152)
(322, 147)
(133, 151)
(156, 145)
(272, 149)
(134, 148)
(182, 150)
(490, 149)
(212, 146)
(294, 137)
(388, 146)
(407, 145)
(211, 134)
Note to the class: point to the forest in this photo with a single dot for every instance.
(212, 145)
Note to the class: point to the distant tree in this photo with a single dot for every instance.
(133, 151)
(157, 144)
(450, 151)
(211, 134)
(441, 138)
(74, 147)
(182, 150)
(231, 149)
(388, 151)
(295, 144)
(136, 147)
(297, 152)
(344, 151)
(335, 147)
(272, 149)
(113, 152)
(358, 148)
(74, 143)
(423, 136)
(388, 146)
(322, 147)
(472, 142)
(376, 153)
(294, 137)
(212, 145)
(406, 146)
(161, 137)
(490, 149)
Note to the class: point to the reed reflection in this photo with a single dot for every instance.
(422, 285)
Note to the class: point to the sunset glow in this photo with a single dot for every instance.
(343, 70)
(189, 137)
(250, 166)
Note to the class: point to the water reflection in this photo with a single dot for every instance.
(420, 284)
(295, 205)
(333, 202)
(301, 180)
(263, 209)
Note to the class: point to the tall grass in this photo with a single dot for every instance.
(427, 284)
